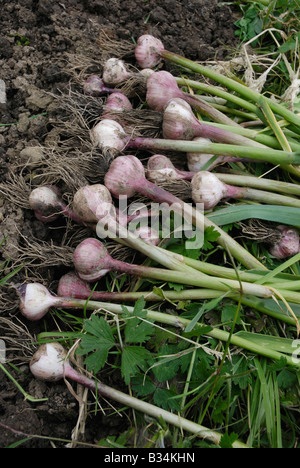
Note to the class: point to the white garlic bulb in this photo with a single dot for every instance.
(207, 189)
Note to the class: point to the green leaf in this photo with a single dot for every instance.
(286, 379)
(134, 358)
(96, 339)
(142, 385)
(98, 327)
(210, 235)
(277, 214)
(95, 361)
(163, 398)
(202, 310)
(227, 440)
(137, 331)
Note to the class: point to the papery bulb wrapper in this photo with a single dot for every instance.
(35, 301)
(197, 161)
(147, 51)
(92, 202)
(93, 86)
(109, 136)
(123, 174)
(91, 260)
(289, 244)
(70, 285)
(179, 122)
(48, 362)
(114, 71)
(161, 87)
(46, 202)
(207, 189)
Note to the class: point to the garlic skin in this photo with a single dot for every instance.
(115, 102)
(123, 172)
(91, 259)
(207, 189)
(148, 234)
(147, 51)
(114, 72)
(178, 120)
(45, 202)
(48, 362)
(160, 169)
(109, 136)
(161, 87)
(93, 86)
(196, 161)
(146, 72)
(70, 285)
(92, 202)
(289, 245)
(35, 301)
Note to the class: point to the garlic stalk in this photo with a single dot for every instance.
(88, 204)
(234, 85)
(180, 123)
(162, 87)
(112, 139)
(51, 363)
(126, 176)
(92, 261)
(208, 189)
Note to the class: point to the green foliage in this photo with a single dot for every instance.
(277, 24)
(251, 23)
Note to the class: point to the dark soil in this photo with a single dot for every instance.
(36, 39)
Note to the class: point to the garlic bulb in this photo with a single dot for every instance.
(161, 87)
(35, 300)
(147, 51)
(93, 202)
(91, 259)
(289, 244)
(196, 161)
(207, 189)
(114, 71)
(48, 362)
(115, 102)
(124, 171)
(46, 203)
(179, 122)
(161, 169)
(109, 136)
(94, 86)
